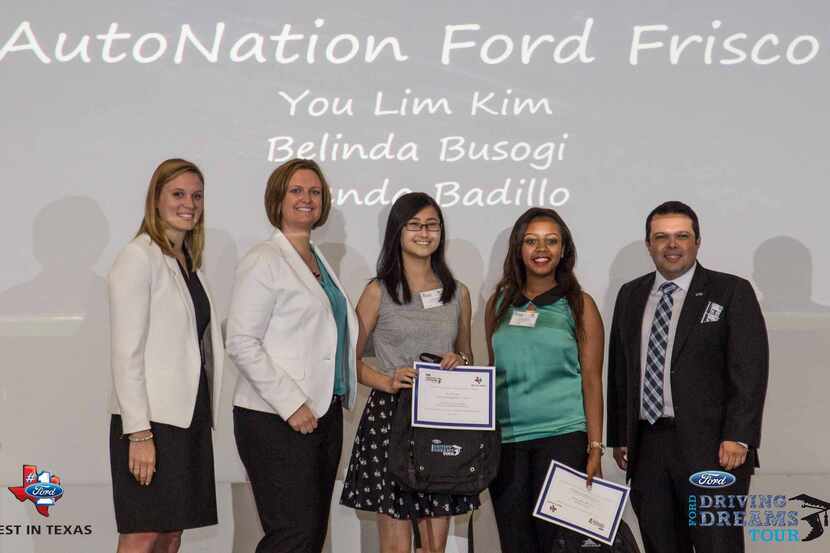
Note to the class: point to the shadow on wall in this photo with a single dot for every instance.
(55, 343)
(220, 259)
(494, 268)
(799, 329)
(630, 262)
(467, 266)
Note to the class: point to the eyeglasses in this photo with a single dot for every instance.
(414, 226)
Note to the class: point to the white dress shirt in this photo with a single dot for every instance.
(679, 296)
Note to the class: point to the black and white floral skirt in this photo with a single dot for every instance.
(369, 488)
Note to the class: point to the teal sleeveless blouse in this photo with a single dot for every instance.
(340, 310)
(538, 375)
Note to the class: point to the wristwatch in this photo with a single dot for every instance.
(593, 445)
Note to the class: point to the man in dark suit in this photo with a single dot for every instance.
(687, 377)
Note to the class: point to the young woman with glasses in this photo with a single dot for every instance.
(413, 306)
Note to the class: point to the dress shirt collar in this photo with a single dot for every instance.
(683, 282)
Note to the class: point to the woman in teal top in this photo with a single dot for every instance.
(545, 337)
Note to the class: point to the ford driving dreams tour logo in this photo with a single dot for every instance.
(447, 450)
(41, 488)
(712, 479)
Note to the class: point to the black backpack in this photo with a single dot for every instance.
(624, 542)
(436, 460)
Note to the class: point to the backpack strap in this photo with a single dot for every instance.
(416, 532)
(410, 505)
(471, 545)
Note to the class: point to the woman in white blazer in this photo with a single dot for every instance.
(167, 356)
(292, 334)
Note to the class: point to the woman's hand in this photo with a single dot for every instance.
(450, 360)
(303, 420)
(401, 378)
(594, 465)
(142, 458)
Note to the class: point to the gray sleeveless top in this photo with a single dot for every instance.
(404, 332)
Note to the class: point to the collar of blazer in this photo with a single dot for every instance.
(300, 269)
(689, 314)
(176, 275)
(692, 308)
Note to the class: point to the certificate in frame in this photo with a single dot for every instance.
(569, 509)
(463, 398)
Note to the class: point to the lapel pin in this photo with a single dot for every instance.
(698, 293)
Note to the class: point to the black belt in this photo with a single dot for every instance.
(660, 424)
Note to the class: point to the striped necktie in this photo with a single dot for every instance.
(656, 360)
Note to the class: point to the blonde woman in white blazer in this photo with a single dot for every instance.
(292, 334)
(167, 356)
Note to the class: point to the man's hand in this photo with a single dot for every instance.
(621, 457)
(731, 455)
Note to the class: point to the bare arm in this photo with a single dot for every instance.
(591, 346)
(463, 340)
(489, 329)
(368, 309)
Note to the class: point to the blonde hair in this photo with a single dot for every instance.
(154, 226)
(278, 185)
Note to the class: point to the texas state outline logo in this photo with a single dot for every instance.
(41, 488)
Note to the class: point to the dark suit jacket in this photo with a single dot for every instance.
(718, 369)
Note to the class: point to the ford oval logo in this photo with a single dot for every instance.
(712, 479)
(43, 490)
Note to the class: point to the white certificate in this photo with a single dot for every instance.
(463, 398)
(564, 500)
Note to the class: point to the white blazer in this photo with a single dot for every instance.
(155, 351)
(282, 335)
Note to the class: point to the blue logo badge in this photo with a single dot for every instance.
(42, 488)
(712, 479)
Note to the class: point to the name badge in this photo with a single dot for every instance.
(524, 318)
(432, 298)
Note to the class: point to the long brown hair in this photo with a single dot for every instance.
(154, 226)
(514, 273)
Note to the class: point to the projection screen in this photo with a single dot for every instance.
(599, 110)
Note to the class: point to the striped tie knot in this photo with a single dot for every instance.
(667, 288)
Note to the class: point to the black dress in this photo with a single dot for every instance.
(183, 491)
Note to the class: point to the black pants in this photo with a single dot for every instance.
(522, 472)
(660, 491)
(292, 476)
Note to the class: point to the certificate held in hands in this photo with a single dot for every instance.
(462, 398)
(565, 500)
